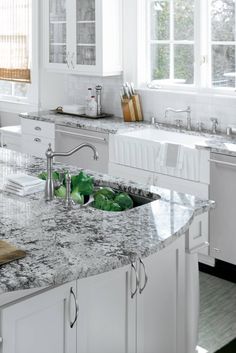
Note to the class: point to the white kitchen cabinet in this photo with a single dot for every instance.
(68, 138)
(83, 36)
(102, 321)
(160, 315)
(10, 137)
(199, 230)
(117, 311)
(41, 323)
(36, 136)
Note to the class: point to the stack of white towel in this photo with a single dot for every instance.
(23, 184)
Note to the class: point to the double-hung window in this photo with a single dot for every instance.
(191, 43)
(16, 49)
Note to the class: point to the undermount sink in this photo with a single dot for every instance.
(162, 136)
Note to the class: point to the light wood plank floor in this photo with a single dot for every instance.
(217, 313)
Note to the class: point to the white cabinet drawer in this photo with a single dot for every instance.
(198, 234)
(36, 145)
(38, 128)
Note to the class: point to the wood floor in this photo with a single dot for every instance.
(217, 313)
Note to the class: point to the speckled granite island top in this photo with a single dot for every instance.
(63, 245)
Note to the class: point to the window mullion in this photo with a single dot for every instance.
(197, 44)
(172, 63)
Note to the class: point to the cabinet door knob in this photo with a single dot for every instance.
(37, 128)
(37, 140)
(141, 288)
(217, 250)
(133, 292)
(72, 323)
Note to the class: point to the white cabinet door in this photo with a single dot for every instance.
(40, 324)
(83, 36)
(161, 305)
(102, 321)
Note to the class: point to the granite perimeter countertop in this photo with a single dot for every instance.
(63, 245)
(218, 143)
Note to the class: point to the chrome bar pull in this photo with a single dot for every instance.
(72, 323)
(141, 288)
(228, 164)
(133, 292)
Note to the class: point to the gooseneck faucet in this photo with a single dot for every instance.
(50, 154)
(187, 110)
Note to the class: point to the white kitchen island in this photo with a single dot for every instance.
(93, 281)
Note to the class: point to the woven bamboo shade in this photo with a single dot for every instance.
(15, 38)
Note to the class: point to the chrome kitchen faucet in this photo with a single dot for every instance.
(50, 154)
(187, 110)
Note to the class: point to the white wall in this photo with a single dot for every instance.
(203, 107)
(59, 89)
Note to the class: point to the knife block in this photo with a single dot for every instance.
(128, 110)
(137, 107)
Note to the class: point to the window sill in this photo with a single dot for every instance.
(16, 106)
(191, 91)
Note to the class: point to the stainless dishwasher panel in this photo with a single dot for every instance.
(223, 218)
(68, 138)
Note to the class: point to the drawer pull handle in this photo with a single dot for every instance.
(37, 140)
(141, 288)
(72, 323)
(81, 135)
(133, 292)
(38, 128)
(222, 163)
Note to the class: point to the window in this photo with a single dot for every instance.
(15, 49)
(192, 42)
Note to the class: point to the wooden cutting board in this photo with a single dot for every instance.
(9, 253)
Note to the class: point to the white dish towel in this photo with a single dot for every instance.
(23, 184)
(171, 156)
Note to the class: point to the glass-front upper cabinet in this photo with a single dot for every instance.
(83, 36)
(85, 32)
(57, 31)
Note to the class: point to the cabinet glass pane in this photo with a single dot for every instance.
(57, 54)
(86, 55)
(86, 33)
(57, 10)
(85, 10)
(58, 33)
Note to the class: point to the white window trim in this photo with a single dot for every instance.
(29, 103)
(136, 53)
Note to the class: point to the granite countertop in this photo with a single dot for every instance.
(63, 245)
(108, 125)
(218, 143)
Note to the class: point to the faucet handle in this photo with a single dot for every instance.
(200, 125)
(214, 120)
(179, 123)
(68, 200)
